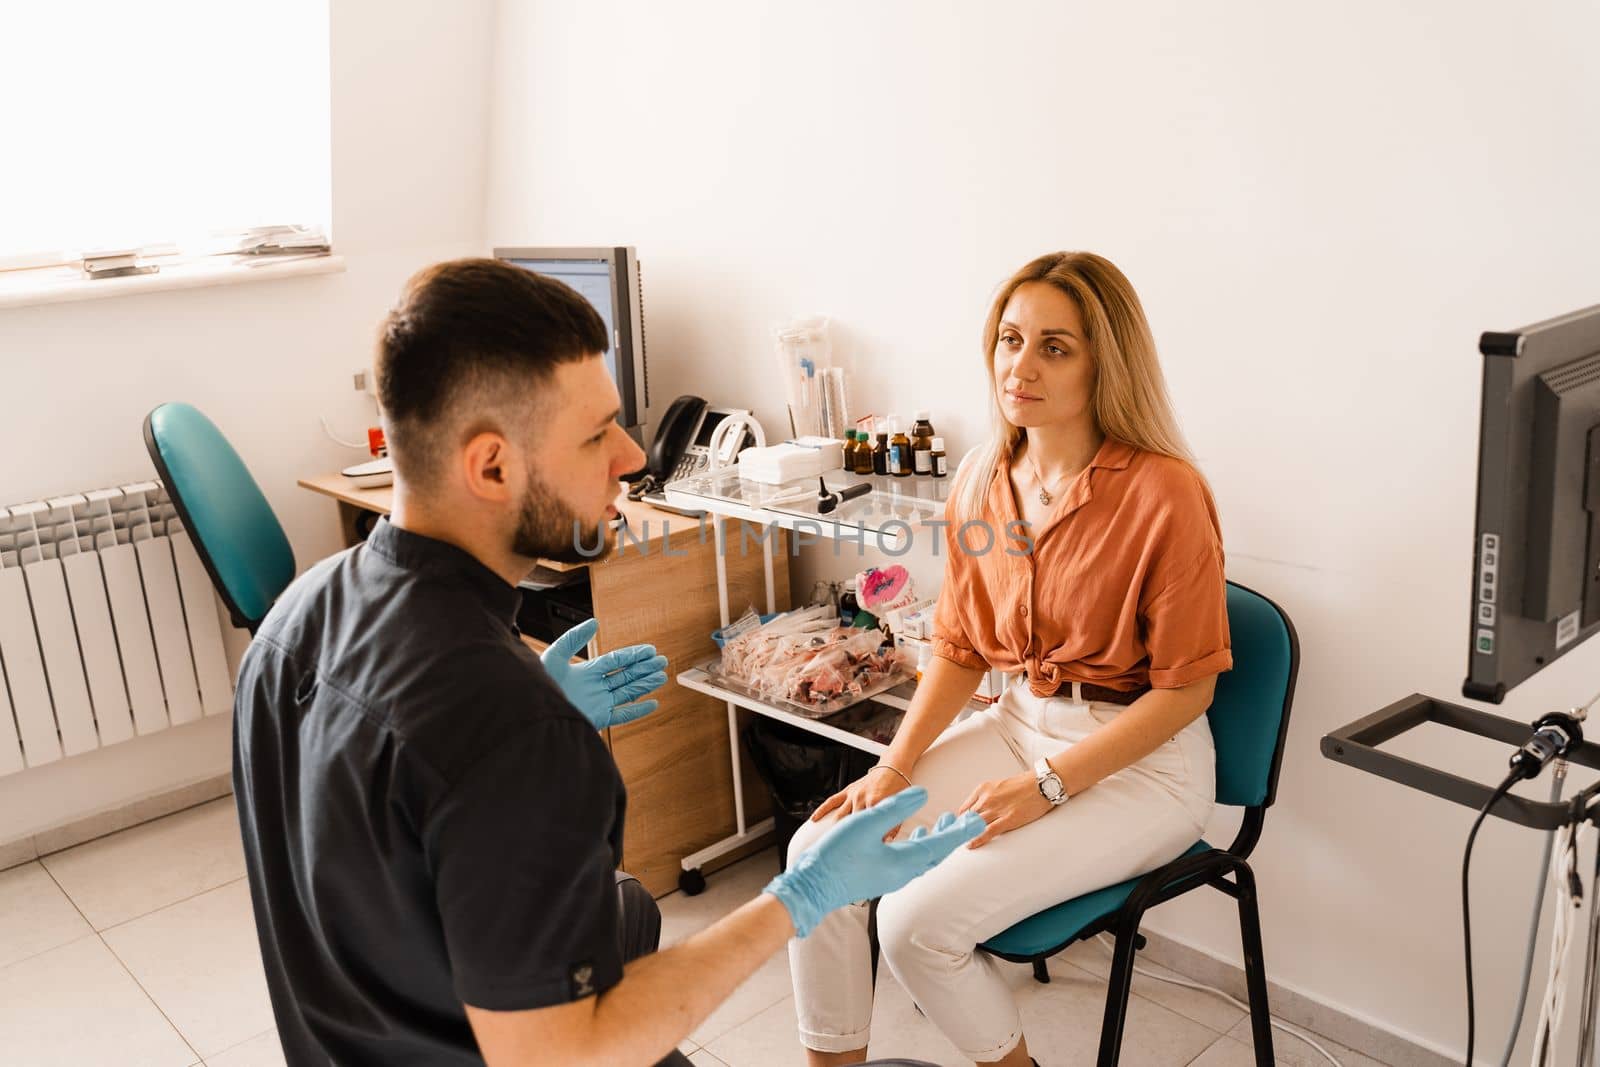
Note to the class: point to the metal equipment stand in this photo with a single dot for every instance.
(1357, 745)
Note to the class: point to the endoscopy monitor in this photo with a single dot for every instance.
(1536, 558)
(609, 279)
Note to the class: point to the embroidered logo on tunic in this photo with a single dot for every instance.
(582, 976)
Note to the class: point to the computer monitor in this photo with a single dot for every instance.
(1536, 559)
(609, 279)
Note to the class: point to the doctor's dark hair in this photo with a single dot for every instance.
(467, 350)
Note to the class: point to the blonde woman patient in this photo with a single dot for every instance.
(1097, 767)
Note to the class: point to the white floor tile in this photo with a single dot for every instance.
(1226, 1052)
(263, 1050)
(768, 985)
(771, 1039)
(135, 871)
(1062, 1023)
(35, 915)
(726, 890)
(1208, 1009)
(898, 1029)
(76, 1005)
(702, 1058)
(1293, 1051)
(200, 961)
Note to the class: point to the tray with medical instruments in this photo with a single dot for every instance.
(889, 514)
(813, 709)
(868, 724)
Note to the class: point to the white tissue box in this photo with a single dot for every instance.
(831, 450)
(776, 464)
(806, 457)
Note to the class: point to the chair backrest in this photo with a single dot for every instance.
(233, 528)
(1250, 713)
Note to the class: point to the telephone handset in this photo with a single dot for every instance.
(683, 441)
(674, 436)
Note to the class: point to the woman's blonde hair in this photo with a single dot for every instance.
(1129, 401)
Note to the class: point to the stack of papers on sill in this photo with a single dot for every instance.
(283, 240)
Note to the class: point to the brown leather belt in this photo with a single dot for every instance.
(1102, 693)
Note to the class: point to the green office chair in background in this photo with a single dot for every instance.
(1249, 720)
(233, 528)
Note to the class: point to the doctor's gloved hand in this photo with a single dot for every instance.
(852, 862)
(605, 687)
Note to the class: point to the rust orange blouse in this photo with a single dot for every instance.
(1123, 585)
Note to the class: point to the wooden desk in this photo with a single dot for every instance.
(659, 586)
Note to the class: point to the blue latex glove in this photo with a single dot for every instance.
(605, 687)
(852, 862)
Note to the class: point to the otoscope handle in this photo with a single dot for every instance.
(853, 491)
(828, 500)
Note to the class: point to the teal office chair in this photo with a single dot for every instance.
(234, 531)
(1249, 720)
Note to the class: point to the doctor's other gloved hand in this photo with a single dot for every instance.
(852, 862)
(604, 688)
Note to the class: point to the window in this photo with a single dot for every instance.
(159, 123)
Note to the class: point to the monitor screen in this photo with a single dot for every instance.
(1536, 559)
(608, 278)
(592, 279)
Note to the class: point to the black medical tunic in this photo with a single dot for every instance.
(426, 820)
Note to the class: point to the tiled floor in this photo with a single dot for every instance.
(139, 948)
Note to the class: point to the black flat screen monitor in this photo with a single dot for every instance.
(609, 279)
(1536, 558)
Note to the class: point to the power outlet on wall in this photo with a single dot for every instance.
(364, 382)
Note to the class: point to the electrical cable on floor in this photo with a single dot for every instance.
(1276, 1023)
(1466, 906)
(336, 439)
(1558, 779)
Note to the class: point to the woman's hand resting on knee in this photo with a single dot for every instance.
(1006, 804)
(877, 784)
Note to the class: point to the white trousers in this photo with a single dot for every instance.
(1127, 825)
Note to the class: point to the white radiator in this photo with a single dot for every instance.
(109, 626)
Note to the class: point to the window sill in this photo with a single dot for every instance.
(62, 285)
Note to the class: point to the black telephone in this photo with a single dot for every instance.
(674, 436)
(682, 445)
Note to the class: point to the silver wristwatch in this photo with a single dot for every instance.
(1050, 786)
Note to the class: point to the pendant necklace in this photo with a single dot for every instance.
(1045, 496)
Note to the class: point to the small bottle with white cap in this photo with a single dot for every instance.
(922, 445)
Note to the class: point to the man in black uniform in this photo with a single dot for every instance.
(432, 824)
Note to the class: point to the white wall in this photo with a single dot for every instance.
(1321, 206)
(410, 107)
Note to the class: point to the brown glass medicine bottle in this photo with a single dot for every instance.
(899, 451)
